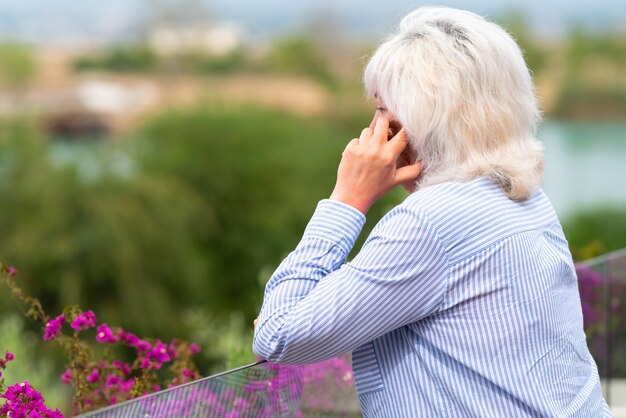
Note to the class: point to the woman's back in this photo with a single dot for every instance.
(507, 334)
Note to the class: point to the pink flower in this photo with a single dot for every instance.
(112, 380)
(93, 376)
(194, 348)
(66, 377)
(144, 363)
(125, 368)
(159, 353)
(84, 321)
(172, 349)
(142, 345)
(127, 337)
(127, 385)
(8, 356)
(11, 271)
(24, 401)
(53, 327)
(105, 335)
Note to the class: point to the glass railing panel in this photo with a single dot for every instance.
(602, 284)
(258, 390)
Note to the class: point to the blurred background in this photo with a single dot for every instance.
(159, 158)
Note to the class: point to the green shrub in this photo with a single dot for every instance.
(127, 58)
(17, 65)
(594, 232)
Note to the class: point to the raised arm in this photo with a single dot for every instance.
(316, 307)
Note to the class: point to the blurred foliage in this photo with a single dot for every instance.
(579, 100)
(216, 199)
(17, 65)
(583, 45)
(29, 365)
(126, 58)
(534, 53)
(227, 340)
(595, 232)
(300, 55)
(258, 174)
(92, 243)
(290, 55)
(594, 86)
(236, 61)
(221, 64)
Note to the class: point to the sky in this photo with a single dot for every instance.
(59, 21)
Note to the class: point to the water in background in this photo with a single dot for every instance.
(585, 164)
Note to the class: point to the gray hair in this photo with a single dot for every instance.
(460, 87)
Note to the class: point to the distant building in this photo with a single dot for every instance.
(167, 39)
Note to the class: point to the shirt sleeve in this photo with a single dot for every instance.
(316, 307)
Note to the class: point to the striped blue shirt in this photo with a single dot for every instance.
(461, 303)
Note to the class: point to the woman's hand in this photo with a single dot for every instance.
(371, 166)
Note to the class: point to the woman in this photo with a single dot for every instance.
(463, 301)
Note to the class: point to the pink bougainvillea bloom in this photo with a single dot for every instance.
(55, 414)
(84, 321)
(8, 356)
(142, 345)
(24, 401)
(93, 376)
(53, 327)
(132, 340)
(144, 363)
(159, 353)
(11, 271)
(172, 348)
(66, 377)
(127, 337)
(194, 348)
(127, 386)
(105, 335)
(112, 380)
(125, 368)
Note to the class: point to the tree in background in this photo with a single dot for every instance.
(17, 65)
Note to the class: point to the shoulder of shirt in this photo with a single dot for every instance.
(468, 196)
(477, 209)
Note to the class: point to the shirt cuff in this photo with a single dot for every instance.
(336, 222)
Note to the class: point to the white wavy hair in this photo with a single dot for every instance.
(460, 87)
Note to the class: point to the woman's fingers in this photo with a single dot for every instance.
(381, 130)
(408, 173)
(399, 141)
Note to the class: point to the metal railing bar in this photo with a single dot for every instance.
(601, 259)
(178, 387)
